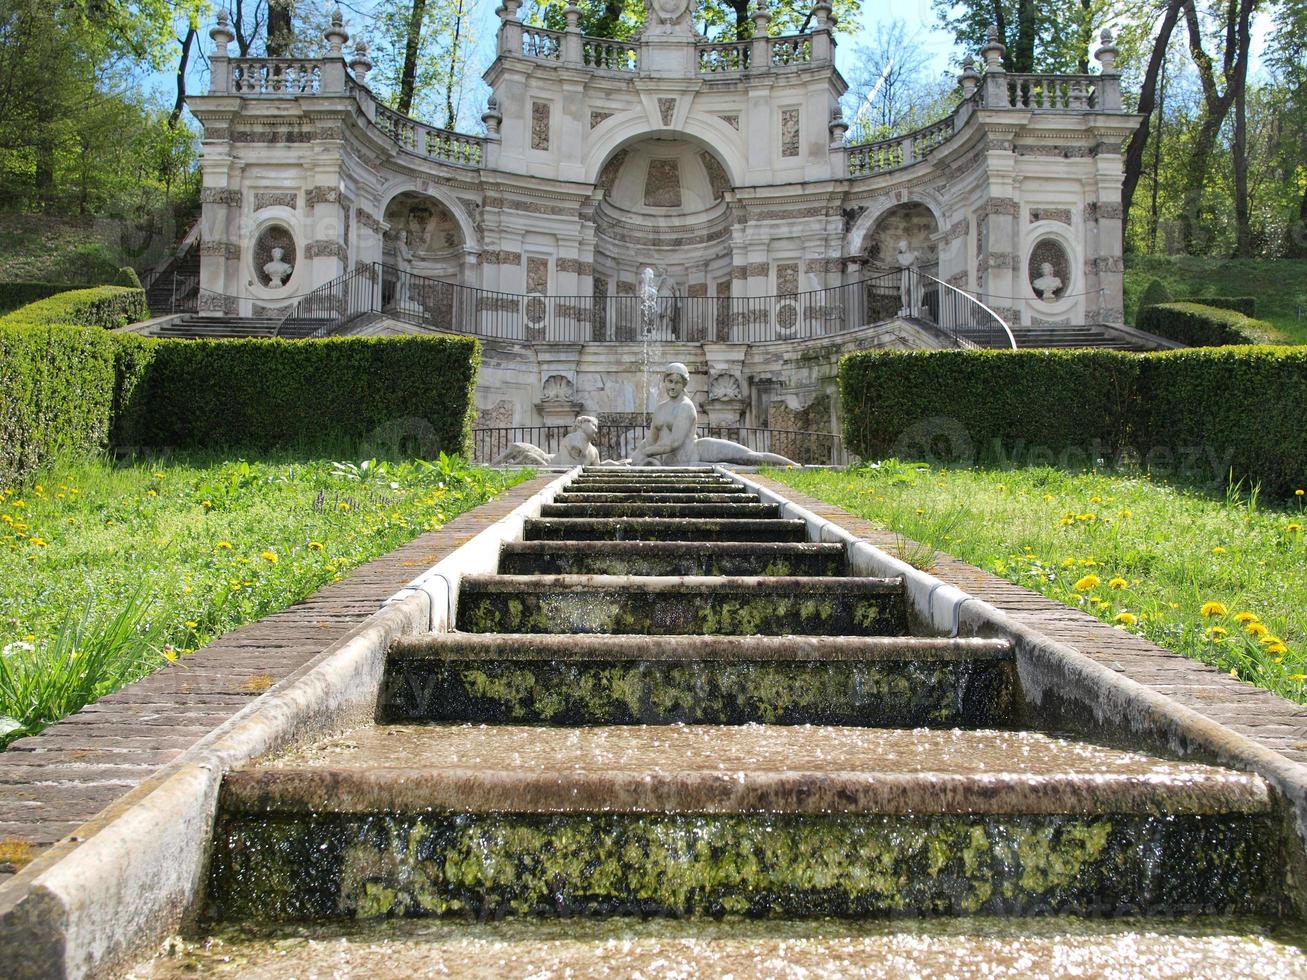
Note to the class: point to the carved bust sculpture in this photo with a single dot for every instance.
(278, 270)
(1048, 284)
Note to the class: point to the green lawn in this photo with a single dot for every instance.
(1221, 580)
(107, 572)
(1280, 286)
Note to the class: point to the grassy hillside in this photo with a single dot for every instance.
(1280, 286)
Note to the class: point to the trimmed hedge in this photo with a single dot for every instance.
(16, 294)
(1243, 408)
(56, 395)
(98, 306)
(1231, 411)
(1198, 325)
(127, 277)
(958, 404)
(261, 394)
(1154, 293)
(1247, 305)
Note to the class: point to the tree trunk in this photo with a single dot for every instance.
(175, 116)
(605, 25)
(743, 22)
(412, 42)
(280, 26)
(1134, 157)
(1023, 51)
(1239, 152)
(1157, 160)
(453, 68)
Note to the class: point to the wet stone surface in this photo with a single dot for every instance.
(815, 949)
(670, 558)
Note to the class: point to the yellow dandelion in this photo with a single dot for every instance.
(29, 638)
(1218, 550)
(1256, 629)
(269, 556)
(1095, 499)
(1294, 528)
(1117, 583)
(1087, 583)
(1127, 618)
(223, 546)
(206, 504)
(1217, 632)
(1244, 617)
(191, 624)
(1298, 493)
(38, 542)
(170, 652)
(1269, 640)
(315, 546)
(1212, 610)
(1298, 677)
(151, 493)
(1277, 648)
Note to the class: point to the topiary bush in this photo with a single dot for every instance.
(1240, 409)
(1247, 305)
(127, 277)
(98, 306)
(962, 406)
(1198, 325)
(1155, 292)
(261, 394)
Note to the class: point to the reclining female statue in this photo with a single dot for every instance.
(671, 440)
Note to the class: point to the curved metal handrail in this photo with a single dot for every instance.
(972, 300)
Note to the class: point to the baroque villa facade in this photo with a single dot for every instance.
(721, 166)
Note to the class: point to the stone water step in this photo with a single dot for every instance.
(650, 470)
(746, 510)
(656, 605)
(662, 529)
(768, 821)
(562, 679)
(706, 485)
(671, 558)
(659, 497)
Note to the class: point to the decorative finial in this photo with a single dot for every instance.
(1106, 36)
(222, 35)
(335, 35)
(360, 64)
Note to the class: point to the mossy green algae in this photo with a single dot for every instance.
(287, 867)
(907, 693)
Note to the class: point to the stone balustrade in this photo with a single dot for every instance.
(1072, 93)
(542, 44)
(430, 141)
(605, 55)
(724, 58)
(275, 76)
(899, 151)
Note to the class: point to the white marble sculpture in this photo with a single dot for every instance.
(577, 449)
(671, 440)
(1048, 284)
(278, 270)
(908, 290)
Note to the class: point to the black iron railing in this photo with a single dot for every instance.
(332, 306)
(619, 440)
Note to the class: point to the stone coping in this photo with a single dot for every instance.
(729, 769)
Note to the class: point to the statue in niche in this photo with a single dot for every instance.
(1048, 284)
(909, 281)
(278, 270)
(671, 440)
(577, 449)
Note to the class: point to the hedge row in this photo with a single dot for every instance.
(67, 389)
(98, 306)
(16, 294)
(1236, 410)
(263, 394)
(1199, 325)
(1247, 305)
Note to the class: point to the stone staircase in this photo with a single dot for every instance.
(201, 327)
(161, 297)
(1086, 335)
(668, 702)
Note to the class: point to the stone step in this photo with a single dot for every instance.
(756, 820)
(662, 529)
(671, 558)
(650, 470)
(553, 946)
(660, 497)
(746, 510)
(661, 605)
(640, 482)
(586, 679)
(610, 487)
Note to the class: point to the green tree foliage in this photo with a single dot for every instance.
(721, 20)
(1039, 35)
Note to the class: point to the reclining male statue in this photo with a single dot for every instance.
(578, 448)
(671, 440)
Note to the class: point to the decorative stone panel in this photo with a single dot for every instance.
(557, 388)
(366, 269)
(325, 248)
(724, 387)
(497, 416)
(369, 221)
(696, 289)
(537, 274)
(717, 178)
(731, 120)
(329, 133)
(1049, 269)
(997, 260)
(259, 309)
(739, 272)
(1002, 205)
(833, 265)
(275, 199)
(500, 257)
(217, 303)
(789, 132)
(285, 136)
(666, 110)
(322, 194)
(756, 270)
(574, 265)
(1108, 263)
(626, 289)
(597, 117)
(540, 125)
(662, 184)
(1010, 315)
(787, 278)
(1050, 214)
(226, 250)
(609, 174)
(958, 280)
(957, 230)
(221, 195)
(497, 304)
(1108, 210)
